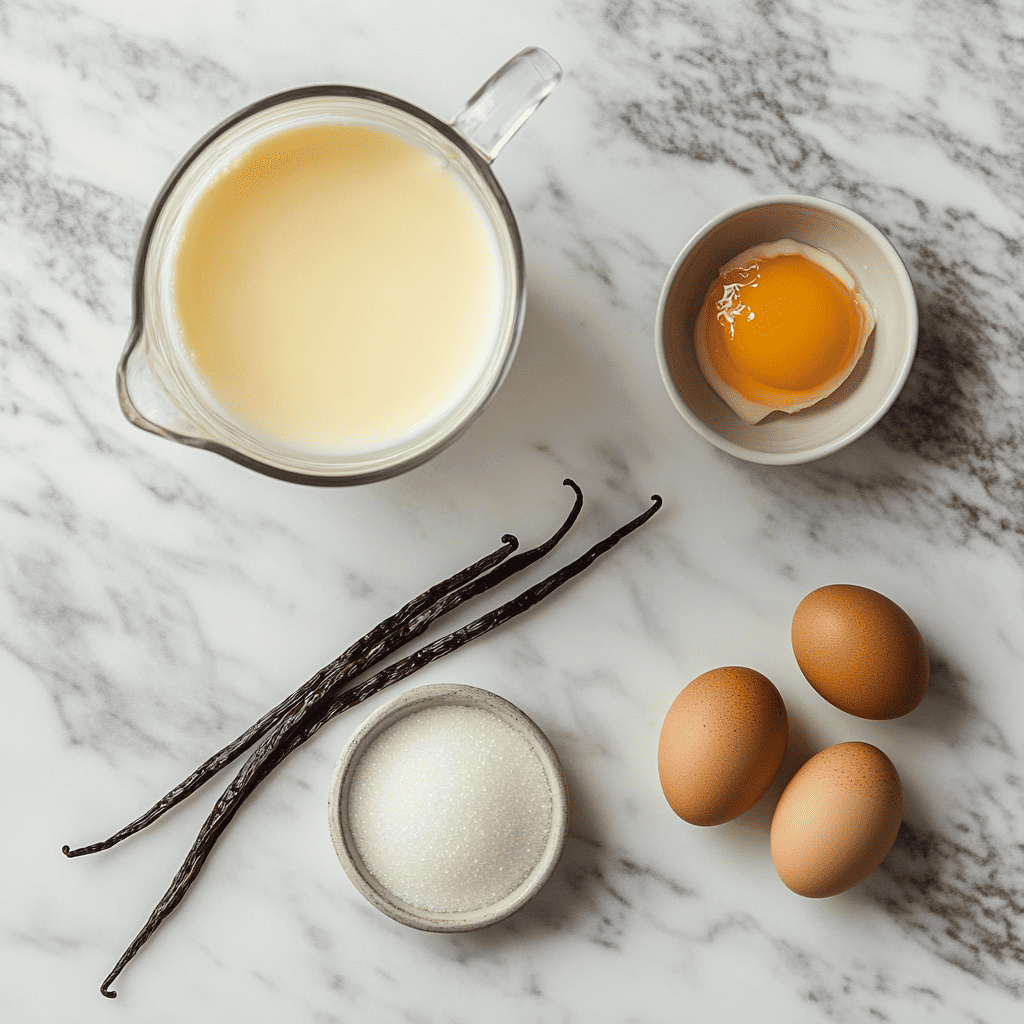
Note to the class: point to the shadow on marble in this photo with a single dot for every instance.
(940, 412)
(558, 396)
(947, 711)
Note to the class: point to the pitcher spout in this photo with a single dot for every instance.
(145, 400)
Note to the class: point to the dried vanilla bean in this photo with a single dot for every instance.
(383, 640)
(316, 711)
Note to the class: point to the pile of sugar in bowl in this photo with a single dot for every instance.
(450, 808)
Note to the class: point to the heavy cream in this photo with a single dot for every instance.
(337, 287)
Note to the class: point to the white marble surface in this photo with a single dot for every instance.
(155, 599)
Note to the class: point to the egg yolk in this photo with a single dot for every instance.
(783, 323)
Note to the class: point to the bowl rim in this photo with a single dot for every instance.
(906, 288)
(418, 699)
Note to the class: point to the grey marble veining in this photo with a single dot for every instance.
(801, 98)
(154, 600)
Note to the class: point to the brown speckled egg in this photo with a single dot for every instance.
(721, 745)
(860, 651)
(836, 819)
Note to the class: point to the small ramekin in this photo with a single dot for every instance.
(419, 699)
(865, 396)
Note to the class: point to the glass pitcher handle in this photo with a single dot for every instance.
(499, 107)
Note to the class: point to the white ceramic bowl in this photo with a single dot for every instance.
(384, 717)
(861, 401)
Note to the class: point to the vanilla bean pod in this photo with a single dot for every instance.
(337, 702)
(385, 639)
(375, 645)
(315, 712)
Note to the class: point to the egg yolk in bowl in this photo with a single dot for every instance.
(781, 327)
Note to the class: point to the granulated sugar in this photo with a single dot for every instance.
(450, 808)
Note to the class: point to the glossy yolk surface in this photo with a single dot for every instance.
(781, 324)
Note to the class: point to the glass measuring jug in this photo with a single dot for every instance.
(164, 388)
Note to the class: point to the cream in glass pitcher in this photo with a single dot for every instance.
(331, 285)
(337, 287)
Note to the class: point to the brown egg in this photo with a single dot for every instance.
(860, 651)
(836, 820)
(721, 745)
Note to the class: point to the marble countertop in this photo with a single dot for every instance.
(154, 600)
